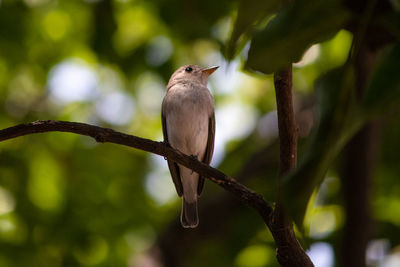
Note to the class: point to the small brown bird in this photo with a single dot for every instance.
(189, 125)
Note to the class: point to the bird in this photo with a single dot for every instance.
(188, 124)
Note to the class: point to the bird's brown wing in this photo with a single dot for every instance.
(209, 149)
(173, 167)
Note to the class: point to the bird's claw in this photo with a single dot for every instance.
(193, 157)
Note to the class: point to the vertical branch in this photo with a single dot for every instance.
(289, 251)
(286, 121)
(359, 157)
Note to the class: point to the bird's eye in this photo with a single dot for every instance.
(188, 69)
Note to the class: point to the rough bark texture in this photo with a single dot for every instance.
(289, 251)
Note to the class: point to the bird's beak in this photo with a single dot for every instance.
(209, 71)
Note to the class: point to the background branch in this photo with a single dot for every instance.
(105, 135)
(359, 158)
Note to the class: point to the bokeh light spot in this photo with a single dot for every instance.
(324, 220)
(321, 254)
(140, 239)
(92, 252)
(7, 202)
(56, 24)
(150, 91)
(159, 50)
(387, 208)
(71, 81)
(377, 250)
(46, 185)
(12, 229)
(255, 256)
(116, 108)
(159, 184)
(309, 56)
(232, 121)
(136, 25)
(393, 259)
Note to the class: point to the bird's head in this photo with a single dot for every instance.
(191, 73)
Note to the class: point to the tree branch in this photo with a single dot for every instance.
(286, 121)
(359, 158)
(105, 135)
(289, 251)
(281, 227)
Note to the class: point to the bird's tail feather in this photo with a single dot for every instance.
(189, 214)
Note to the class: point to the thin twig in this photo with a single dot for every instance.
(105, 135)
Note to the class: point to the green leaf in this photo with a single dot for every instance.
(384, 89)
(250, 13)
(287, 36)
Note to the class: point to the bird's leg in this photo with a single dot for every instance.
(193, 157)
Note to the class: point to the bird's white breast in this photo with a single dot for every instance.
(188, 109)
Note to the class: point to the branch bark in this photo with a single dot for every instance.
(286, 121)
(217, 210)
(105, 135)
(289, 251)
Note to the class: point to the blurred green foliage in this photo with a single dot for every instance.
(67, 201)
(287, 36)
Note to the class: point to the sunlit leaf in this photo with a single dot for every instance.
(292, 31)
(255, 256)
